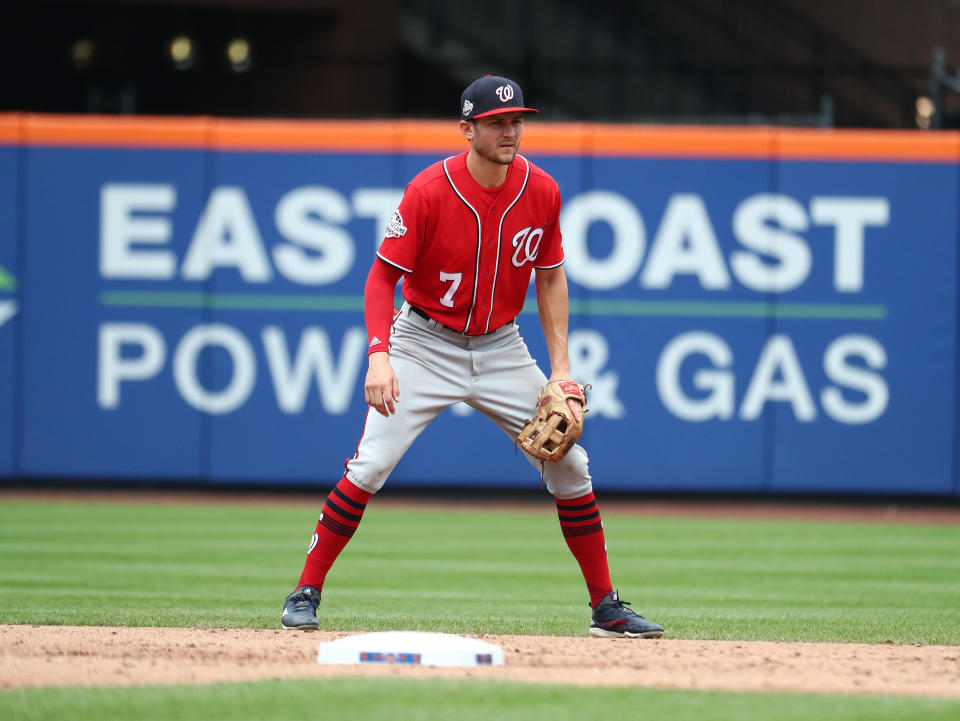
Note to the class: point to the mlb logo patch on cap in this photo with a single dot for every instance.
(492, 94)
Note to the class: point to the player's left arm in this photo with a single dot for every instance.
(553, 304)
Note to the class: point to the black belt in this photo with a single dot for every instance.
(423, 314)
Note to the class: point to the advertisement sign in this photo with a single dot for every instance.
(9, 302)
(748, 319)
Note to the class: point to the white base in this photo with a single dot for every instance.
(413, 648)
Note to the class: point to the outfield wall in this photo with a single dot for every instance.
(756, 309)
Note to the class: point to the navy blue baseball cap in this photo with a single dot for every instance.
(489, 95)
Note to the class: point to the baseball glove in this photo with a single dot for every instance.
(553, 430)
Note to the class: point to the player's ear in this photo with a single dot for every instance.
(466, 127)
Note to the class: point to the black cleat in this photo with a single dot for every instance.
(611, 619)
(300, 610)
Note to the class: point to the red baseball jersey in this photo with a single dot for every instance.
(467, 251)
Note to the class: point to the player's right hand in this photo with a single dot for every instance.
(381, 388)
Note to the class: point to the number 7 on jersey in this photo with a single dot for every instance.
(447, 299)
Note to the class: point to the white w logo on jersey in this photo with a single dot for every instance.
(527, 245)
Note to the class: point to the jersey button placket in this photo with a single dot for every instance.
(488, 263)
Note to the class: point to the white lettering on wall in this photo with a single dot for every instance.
(132, 224)
(589, 353)
(685, 244)
(850, 217)
(227, 237)
(777, 377)
(320, 250)
(836, 363)
(316, 246)
(137, 352)
(716, 382)
(114, 367)
(314, 358)
(379, 204)
(186, 373)
(763, 224)
(629, 239)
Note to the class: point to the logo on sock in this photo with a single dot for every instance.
(313, 541)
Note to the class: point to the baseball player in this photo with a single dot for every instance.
(468, 233)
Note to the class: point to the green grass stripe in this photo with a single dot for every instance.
(350, 699)
(651, 308)
(466, 570)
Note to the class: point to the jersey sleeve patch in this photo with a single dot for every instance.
(396, 228)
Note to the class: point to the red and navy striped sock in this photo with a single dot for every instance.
(339, 519)
(583, 532)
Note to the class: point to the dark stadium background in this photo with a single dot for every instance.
(840, 63)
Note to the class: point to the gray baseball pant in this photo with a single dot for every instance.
(437, 367)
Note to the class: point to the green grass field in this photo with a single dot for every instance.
(471, 571)
(353, 699)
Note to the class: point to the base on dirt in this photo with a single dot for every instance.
(413, 648)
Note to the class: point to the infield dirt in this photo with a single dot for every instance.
(32, 656)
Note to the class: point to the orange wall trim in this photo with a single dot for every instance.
(423, 136)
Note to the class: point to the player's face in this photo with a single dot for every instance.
(497, 137)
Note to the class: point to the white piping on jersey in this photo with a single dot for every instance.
(476, 267)
(395, 265)
(496, 268)
(476, 270)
